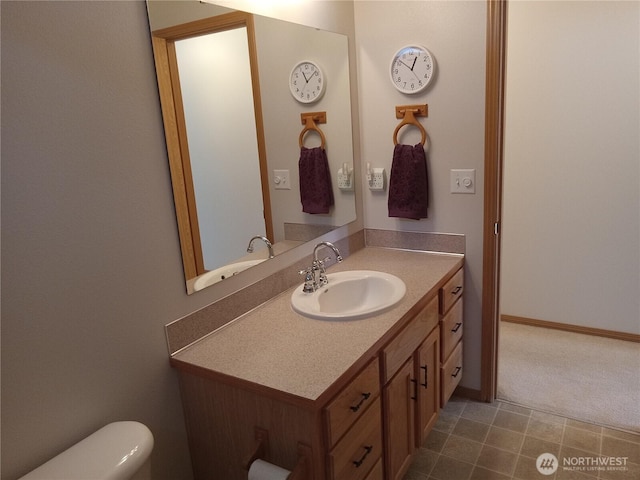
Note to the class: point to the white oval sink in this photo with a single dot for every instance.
(350, 295)
(226, 271)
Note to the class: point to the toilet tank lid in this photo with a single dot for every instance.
(115, 452)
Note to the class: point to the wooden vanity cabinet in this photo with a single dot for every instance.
(368, 428)
(399, 421)
(377, 473)
(351, 403)
(343, 440)
(451, 328)
(359, 450)
(410, 393)
(353, 427)
(223, 419)
(428, 385)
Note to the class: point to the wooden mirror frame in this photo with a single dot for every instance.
(175, 128)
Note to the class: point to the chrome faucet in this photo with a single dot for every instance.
(315, 275)
(265, 240)
(331, 246)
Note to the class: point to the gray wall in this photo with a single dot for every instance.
(571, 217)
(91, 267)
(454, 32)
(91, 270)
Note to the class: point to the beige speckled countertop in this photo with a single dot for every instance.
(276, 349)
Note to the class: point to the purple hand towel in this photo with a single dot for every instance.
(316, 193)
(408, 182)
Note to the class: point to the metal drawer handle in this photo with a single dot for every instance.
(455, 374)
(365, 396)
(415, 389)
(456, 290)
(368, 449)
(426, 381)
(457, 327)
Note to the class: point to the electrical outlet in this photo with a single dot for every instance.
(377, 181)
(345, 179)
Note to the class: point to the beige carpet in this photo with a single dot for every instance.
(583, 377)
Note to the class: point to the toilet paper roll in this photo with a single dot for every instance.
(261, 470)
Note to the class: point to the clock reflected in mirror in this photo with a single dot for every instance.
(307, 82)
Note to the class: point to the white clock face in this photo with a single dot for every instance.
(412, 68)
(307, 82)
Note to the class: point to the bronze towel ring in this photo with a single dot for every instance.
(407, 113)
(309, 121)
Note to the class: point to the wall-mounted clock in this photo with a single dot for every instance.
(412, 69)
(307, 82)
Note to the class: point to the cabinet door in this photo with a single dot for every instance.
(427, 362)
(399, 404)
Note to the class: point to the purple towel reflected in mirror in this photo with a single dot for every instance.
(316, 193)
(408, 189)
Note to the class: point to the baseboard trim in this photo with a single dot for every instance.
(598, 332)
(470, 393)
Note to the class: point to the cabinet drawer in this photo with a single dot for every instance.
(451, 373)
(410, 338)
(451, 291)
(451, 329)
(351, 403)
(355, 455)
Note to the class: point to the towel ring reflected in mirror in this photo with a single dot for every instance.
(323, 141)
(309, 121)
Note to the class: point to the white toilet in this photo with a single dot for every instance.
(118, 451)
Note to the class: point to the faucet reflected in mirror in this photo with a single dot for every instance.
(272, 124)
(265, 240)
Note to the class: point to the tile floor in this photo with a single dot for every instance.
(501, 441)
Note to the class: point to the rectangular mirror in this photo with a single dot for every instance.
(231, 121)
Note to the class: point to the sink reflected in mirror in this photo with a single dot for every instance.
(350, 295)
(226, 271)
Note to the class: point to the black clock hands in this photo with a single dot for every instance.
(415, 59)
(412, 65)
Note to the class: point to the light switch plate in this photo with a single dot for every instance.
(463, 181)
(281, 179)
